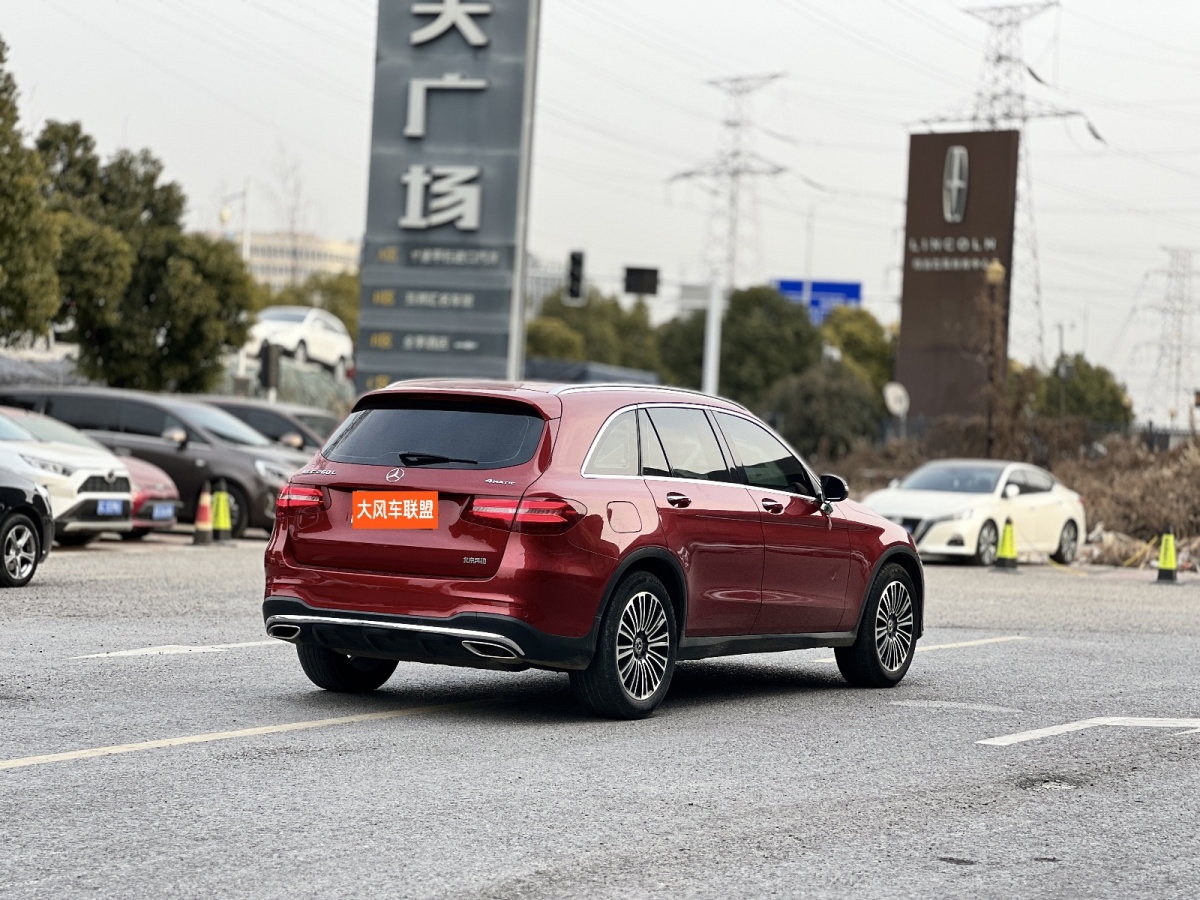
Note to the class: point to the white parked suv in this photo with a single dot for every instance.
(306, 333)
(89, 489)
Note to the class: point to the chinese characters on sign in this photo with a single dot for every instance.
(394, 509)
(444, 250)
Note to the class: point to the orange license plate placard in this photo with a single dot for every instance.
(394, 509)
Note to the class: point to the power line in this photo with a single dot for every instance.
(1176, 343)
(1000, 102)
(255, 116)
(734, 163)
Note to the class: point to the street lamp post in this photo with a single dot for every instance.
(994, 276)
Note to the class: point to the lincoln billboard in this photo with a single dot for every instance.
(962, 191)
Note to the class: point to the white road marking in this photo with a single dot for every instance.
(211, 736)
(1116, 721)
(169, 649)
(955, 646)
(953, 704)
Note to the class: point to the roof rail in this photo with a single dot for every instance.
(623, 386)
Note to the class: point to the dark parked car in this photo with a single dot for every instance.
(191, 441)
(26, 529)
(605, 531)
(301, 427)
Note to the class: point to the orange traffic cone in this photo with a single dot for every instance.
(203, 528)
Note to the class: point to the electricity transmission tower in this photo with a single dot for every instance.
(1000, 103)
(1176, 344)
(725, 175)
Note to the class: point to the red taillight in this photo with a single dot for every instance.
(529, 515)
(298, 498)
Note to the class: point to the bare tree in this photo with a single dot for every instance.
(291, 206)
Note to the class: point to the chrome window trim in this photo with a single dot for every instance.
(462, 634)
(702, 406)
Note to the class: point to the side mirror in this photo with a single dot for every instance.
(292, 439)
(176, 436)
(834, 488)
(1010, 491)
(894, 483)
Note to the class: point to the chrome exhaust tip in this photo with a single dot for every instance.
(284, 632)
(488, 650)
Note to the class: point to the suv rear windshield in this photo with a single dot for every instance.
(473, 435)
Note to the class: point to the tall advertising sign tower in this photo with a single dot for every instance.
(962, 191)
(444, 252)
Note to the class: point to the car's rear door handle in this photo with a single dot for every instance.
(774, 507)
(679, 500)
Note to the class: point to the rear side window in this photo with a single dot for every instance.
(95, 413)
(20, 401)
(691, 447)
(616, 453)
(466, 435)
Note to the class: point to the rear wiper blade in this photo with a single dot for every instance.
(414, 458)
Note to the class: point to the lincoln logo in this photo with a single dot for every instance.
(395, 475)
(954, 184)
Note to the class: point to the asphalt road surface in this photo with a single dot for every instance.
(761, 776)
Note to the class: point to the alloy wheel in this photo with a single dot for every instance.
(20, 552)
(643, 645)
(894, 626)
(988, 542)
(1068, 544)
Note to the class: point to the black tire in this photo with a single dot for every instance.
(136, 535)
(887, 638)
(239, 510)
(988, 544)
(20, 549)
(1068, 544)
(341, 673)
(75, 539)
(631, 671)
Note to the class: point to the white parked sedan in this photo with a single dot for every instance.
(89, 489)
(305, 333)
(957, 507)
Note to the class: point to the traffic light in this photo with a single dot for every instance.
(643, 282)
(268, 372)
(575, 275)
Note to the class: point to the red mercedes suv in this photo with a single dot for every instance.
(602, 530)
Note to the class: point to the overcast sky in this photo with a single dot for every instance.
(227, 90)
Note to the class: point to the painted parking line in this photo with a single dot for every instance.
(1038, 734)
(955, 646)
(212, 736)
(169, 649)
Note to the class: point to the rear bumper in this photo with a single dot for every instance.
(474, 640)
(84, 517)
(143, 516)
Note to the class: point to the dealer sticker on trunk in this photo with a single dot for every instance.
(395, 509)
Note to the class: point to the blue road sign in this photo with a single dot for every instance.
(825, 295)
